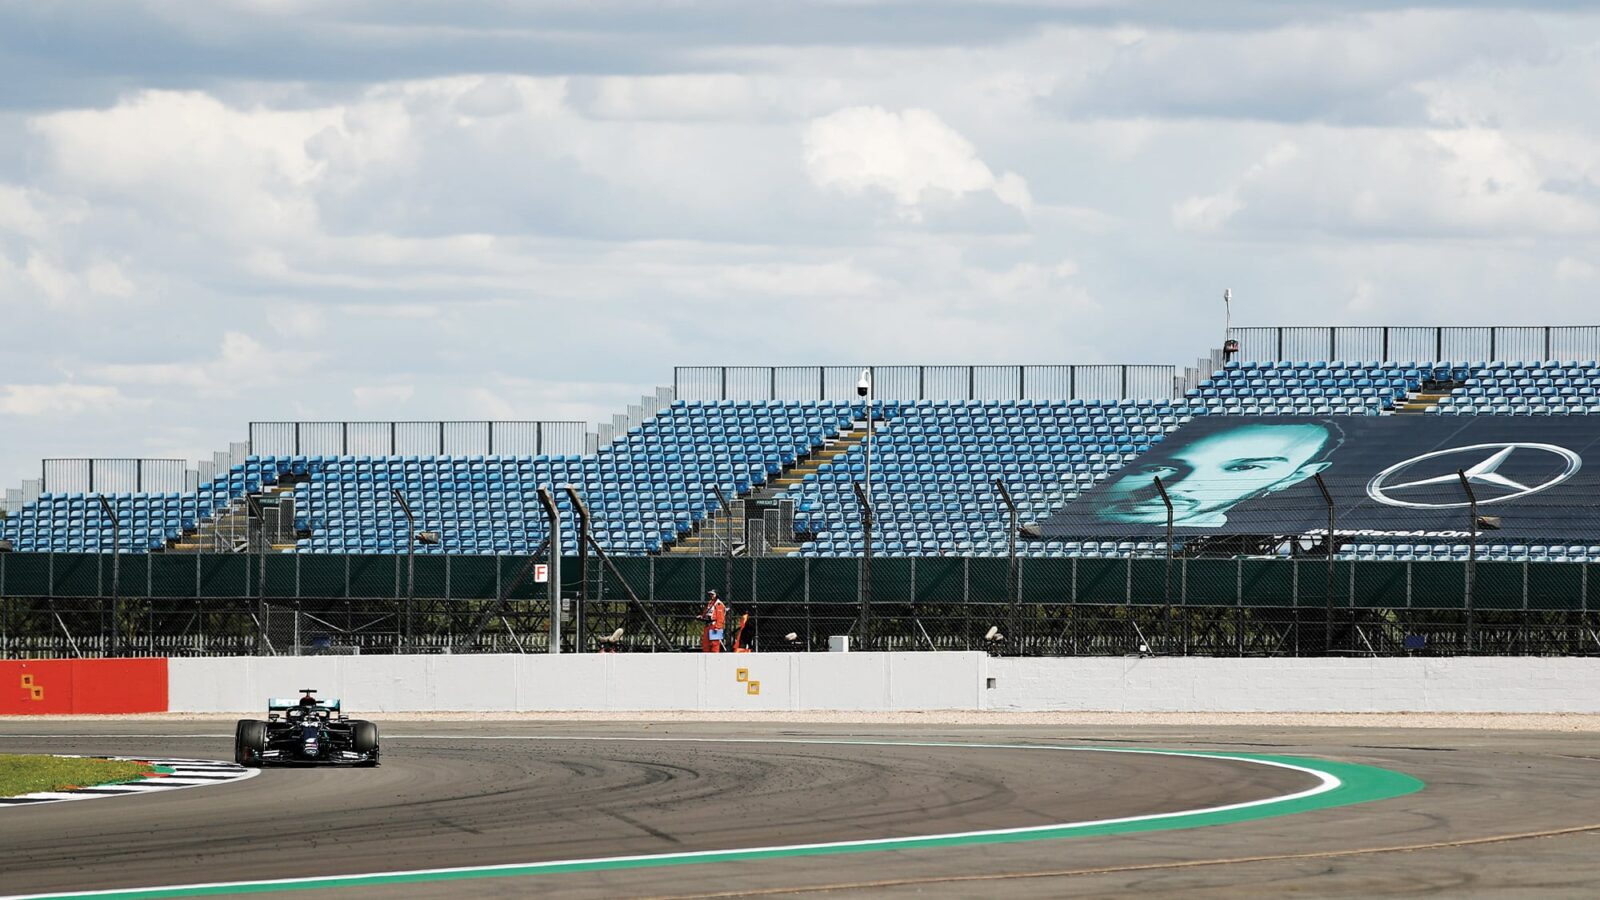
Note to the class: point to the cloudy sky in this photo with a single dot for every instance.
(251, 209)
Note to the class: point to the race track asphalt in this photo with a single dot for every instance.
(1501, 810)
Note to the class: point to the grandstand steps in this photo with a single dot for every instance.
(796, 474)
(1431, 393)
(713, 533)
(228, 529)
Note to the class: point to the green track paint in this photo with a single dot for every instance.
(1339, 784)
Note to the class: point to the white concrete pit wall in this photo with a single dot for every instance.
(1457, 684)
(890, 682)
(643, 681)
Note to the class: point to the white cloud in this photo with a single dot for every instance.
(305, 235)
(188, 156)
(1398, 182)
(1571, 269)
(1359, 69)
(241, 364)
(57, 399)
(383, 396)
(911, 155)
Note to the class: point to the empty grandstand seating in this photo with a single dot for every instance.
(650, 486)
(934, 467)
(1531, 389)
(68, 523)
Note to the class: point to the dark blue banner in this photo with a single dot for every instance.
(1390, 477)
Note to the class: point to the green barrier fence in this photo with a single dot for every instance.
(61, 604)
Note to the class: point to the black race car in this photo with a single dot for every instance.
(307, 730)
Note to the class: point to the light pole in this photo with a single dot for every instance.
(116, 575)
(1229, 345)
(411, 568)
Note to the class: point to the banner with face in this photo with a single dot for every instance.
(1390, 477)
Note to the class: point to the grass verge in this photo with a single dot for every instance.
(26, 774)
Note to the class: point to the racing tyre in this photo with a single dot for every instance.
(249, 740)
(364, 739)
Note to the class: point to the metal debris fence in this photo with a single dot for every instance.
(216, 604)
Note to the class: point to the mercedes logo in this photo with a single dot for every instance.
(1390, 486)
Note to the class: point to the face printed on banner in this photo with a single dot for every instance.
(1207, 478)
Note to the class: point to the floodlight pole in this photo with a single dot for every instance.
(1327, 587)
(553, 514)
(1227, 321)
(1166, 596)
(1472, 553)
(411, 568)
(116, 577)
(1013, 581)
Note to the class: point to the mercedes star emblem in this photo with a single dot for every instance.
(1385, 485)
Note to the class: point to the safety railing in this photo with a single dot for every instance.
(1045, 382)
(1420, 344)
(467, 438)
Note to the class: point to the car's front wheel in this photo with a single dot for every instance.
(364, 738)
(249, 741)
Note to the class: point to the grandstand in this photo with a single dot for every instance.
(750, 479)
(685, 470)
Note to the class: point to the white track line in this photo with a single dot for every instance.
(1325, 783)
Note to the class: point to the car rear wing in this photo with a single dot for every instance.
(280, 704)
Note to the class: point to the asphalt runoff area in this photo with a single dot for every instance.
(1500, 811)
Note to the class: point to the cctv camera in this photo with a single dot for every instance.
(864, 385)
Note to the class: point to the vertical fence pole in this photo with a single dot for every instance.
(1166, 594)
(116, 573)
(864, 616)
(1472, 554)
(411, 570)
(581, 510)
(1327, 590)
(254, 525)
(553, 515)
(1013, 580)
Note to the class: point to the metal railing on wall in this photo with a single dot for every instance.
(466, 438)
(1066, 382)
(1421, 344)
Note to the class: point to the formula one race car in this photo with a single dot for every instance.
(307, 730)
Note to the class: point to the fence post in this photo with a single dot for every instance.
(553, 515)
(1327, 624)
(864, 617)
(1471, 574)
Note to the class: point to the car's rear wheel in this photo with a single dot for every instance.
(364, 738)
(249, 740)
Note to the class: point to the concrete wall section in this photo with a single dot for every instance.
(890, 682)
(678, 681)
(1459, 684)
